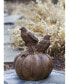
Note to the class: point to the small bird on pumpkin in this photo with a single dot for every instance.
(29, 38)
(43, 44)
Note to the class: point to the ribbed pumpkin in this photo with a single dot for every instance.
(33, 66)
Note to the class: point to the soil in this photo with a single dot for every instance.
(59, 64)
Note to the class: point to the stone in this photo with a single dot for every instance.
(5, 14)
(12, 19)
(56, 77)
(6, 27)
(24, 1)
(5, 11)
(10, 53)
(54, 1)
(5, 82)
(7, 39)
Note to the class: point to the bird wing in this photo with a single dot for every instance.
(43, 45)
(32, 36)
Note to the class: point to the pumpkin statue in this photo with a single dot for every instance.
(34, 64)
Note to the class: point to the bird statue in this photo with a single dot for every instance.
(29, 39)
(43, 44)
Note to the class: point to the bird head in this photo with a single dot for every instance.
(47, 37)
(23, 29)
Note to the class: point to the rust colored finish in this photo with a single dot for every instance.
(43, 45)
(33, 66)
(28, 37)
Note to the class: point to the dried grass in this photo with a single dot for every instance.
(41, 19)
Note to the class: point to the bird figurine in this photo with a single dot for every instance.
(29, 39)
(43, 44)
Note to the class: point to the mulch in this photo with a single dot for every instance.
(59, 64)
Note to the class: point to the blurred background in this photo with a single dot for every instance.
(41, 17)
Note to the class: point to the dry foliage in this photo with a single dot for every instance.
(41, 19)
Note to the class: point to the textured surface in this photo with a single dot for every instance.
(10, 53)
(26, 66)
(6, 27)
(7, 39)
(5, 14)
(11, 19)
(6, 36)
(56, 77)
